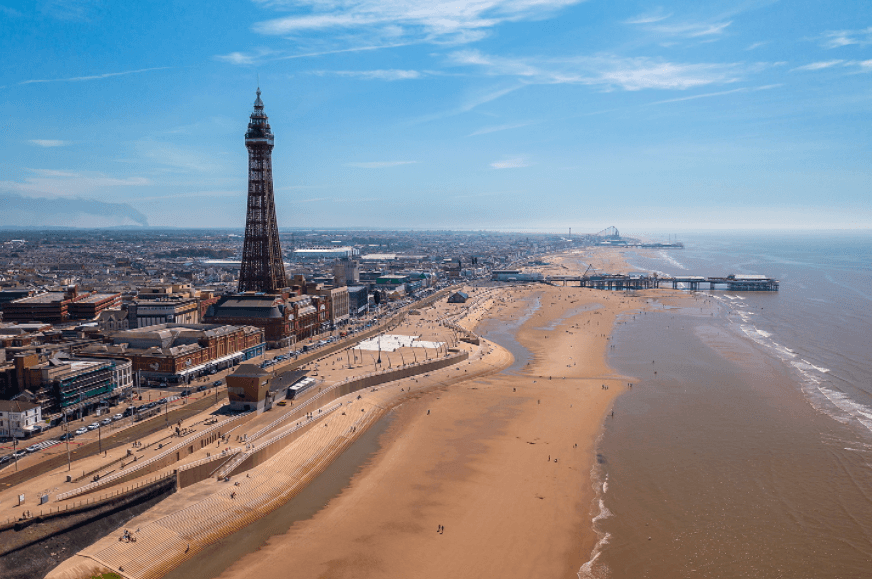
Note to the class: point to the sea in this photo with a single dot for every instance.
(743, 446)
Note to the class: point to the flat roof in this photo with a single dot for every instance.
(97, 298)
(43, 298)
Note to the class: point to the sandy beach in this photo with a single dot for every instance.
(502, 464)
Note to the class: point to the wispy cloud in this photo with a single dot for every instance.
(654, 22)
(95, 76)
(193, 194)
(839, 38)
(860, 65)
(819, 65)
(416, 20)
(241, 58)
(470, 102)
(261, 55)
(68, 9)
(54, 183)
(649, 17)
(755, 45)
(512, 163)
(379, 164)
(372, 74)
(48, 142)
(692, 29)
(716, 94)
(487, 130)
(607, 71)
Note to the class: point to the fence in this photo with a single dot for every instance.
(162, 460)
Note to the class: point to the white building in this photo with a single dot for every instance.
(19, 418)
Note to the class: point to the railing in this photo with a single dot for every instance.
(228, 468)
(114, 476)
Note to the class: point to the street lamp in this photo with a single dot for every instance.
(67, 440)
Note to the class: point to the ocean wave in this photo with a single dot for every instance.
(592, 569)
(807, 365)
(814, 382)
(671, 260)
(836, 404)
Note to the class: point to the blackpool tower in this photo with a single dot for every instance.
(262, 269)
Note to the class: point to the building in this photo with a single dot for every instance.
(19, 418)
(171, 309)
(268, 312)
(248, 389)
(71, 385)
(336, 304)
(261, 269)
(308, 253)
(180, 352)
(90, 306)
(304, 313)
(392, 283)
(359, 299)
(458, 298)
(112, 321)
(42, 307)
(346, 272)
(515, 275)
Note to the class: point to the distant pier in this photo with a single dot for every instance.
(691, 282)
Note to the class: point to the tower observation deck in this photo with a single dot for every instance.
(262, 269)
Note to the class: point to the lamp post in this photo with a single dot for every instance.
(67, 440)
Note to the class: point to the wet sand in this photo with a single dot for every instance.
(503, 463)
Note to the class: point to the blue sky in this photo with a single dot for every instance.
(512, 114)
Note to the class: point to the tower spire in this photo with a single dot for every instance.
(262, 269)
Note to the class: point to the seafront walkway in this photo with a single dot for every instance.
(201, 514)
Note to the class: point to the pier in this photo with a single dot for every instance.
(731, 282)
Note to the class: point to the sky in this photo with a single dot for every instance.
(415, 114)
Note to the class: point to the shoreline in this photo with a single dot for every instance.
(470, 469)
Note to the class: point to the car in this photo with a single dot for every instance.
(93, 425)
(33, 448)
(217, 383)
(5, 458)
(106, 421)
(81, 431)
(67, 435)
(162, 401)
(18, 453)
(185, 393)
(117, 417)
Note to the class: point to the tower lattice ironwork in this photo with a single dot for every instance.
(262, 269)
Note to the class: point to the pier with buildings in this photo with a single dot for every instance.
(639, 281)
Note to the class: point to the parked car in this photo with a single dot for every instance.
(117, 417)
(106, 421)
(93, 425)
(19, 453)
(185, 393)
(32, 448)
(217, 383)
(81, 431)
(67, 435)
(5, 458)
(162, 401)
